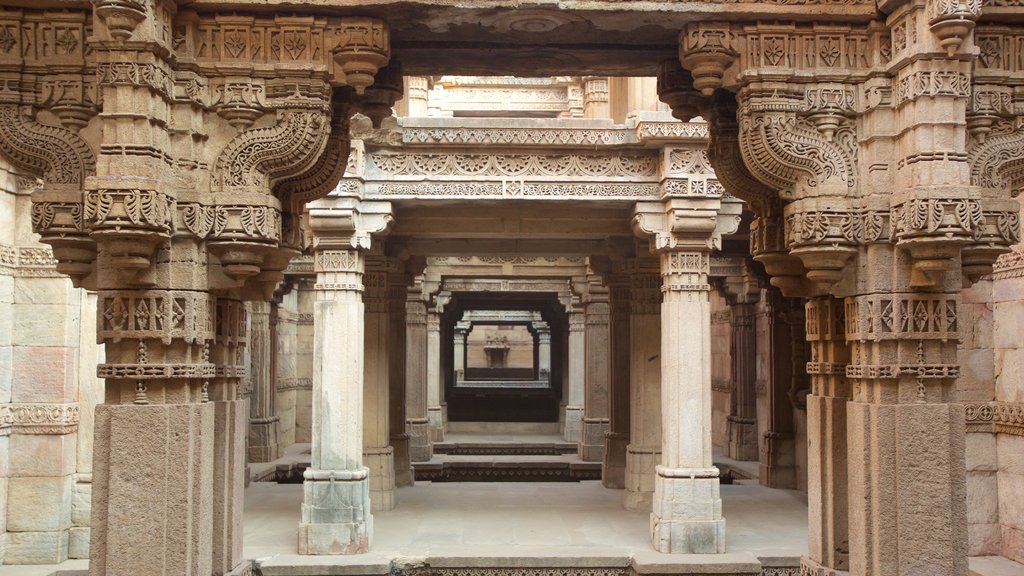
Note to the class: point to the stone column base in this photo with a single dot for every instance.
(573, 423)
(403, 464)
(436, 419)
(743, 439)
(336, 516)
(381, 462)
(687, 512)
(263, 444)
(592, 444)
(613, 470)
(640, 464)
(421, 449)
(809, 567)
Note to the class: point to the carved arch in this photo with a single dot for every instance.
(325, 173)
(261, 157)
(57, 155)
(998, 162)
(781, 149)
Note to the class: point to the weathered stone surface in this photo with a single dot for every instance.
(40, 455)
(39, 504)
(36, 547)
(44, 374)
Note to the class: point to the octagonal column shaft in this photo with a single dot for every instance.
(595, 416)
(576, 380)
(421, 449)
(336, 516)
(644, 450)
(378, 454)
(613, 470)
(687, 515)
(435, 410)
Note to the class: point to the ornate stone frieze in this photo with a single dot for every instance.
(518, 189)
(903, 317)
(30, 261)
(40, 418)
(257, 157)
(1009, 265)
(999, 417)
(57, 155)
(514, 136)
(157, 314)
(654, 131)
(286, 384)
(931, 83)
(516, 165)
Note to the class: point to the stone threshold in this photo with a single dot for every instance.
(520, 471)
(505, 448)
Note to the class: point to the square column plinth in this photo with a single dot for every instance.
(687, 516)
(336, 515)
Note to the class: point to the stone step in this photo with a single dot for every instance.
(505, 448)
(483, 470)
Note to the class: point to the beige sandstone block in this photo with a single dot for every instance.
(981, 451)
(3, 504)
(1008, 290)
(45, 325)
(982, 498)
(984, 539)
(40, 455)
(78, 542)
(39, 504)
(1009, 449)
(6, 324)
(81, 505)
(6, 289)
(44, 374)
(1008, 324)
(6, 373)
(1009, 375)
(1011, 501)
(8, 217)
(44, 291)
(36, 547)
(977, 375)
(1012, 541)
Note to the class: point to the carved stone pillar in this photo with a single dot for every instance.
(421, 449)
(828, 509)
(336, 515)
(743, 417)
(613, 471)
(398, 291)
(416, 95)
(644, 450)
(435, 412)
(783, 334)
(687, 515)
(263, 420)
(378, 455)
(543, 351)
(459, 352)
(231, 416)
(576, 377)
(598, 371)
(596, 97)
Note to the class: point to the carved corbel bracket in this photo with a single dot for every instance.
(378, 99)
(934, 229)
(952, 21)
(679, 223)
(676, 88)
(706, 50)
(120, 16)
(362, 48)
(63, 160)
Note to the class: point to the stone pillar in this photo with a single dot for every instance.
(687, 516)
(543, 351)
(336, 516)
(378, 455)
(421, 449)
(613, 471)
(230, 421)
(595, 97)
(785, 372)
(459, 352)
(743, 417)
(263, 420)
(398, 291)
(416, 92)
(644, 450)
(598, 372)
(827, 506)
(576, 377)
(304, 347)
(435, 412)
